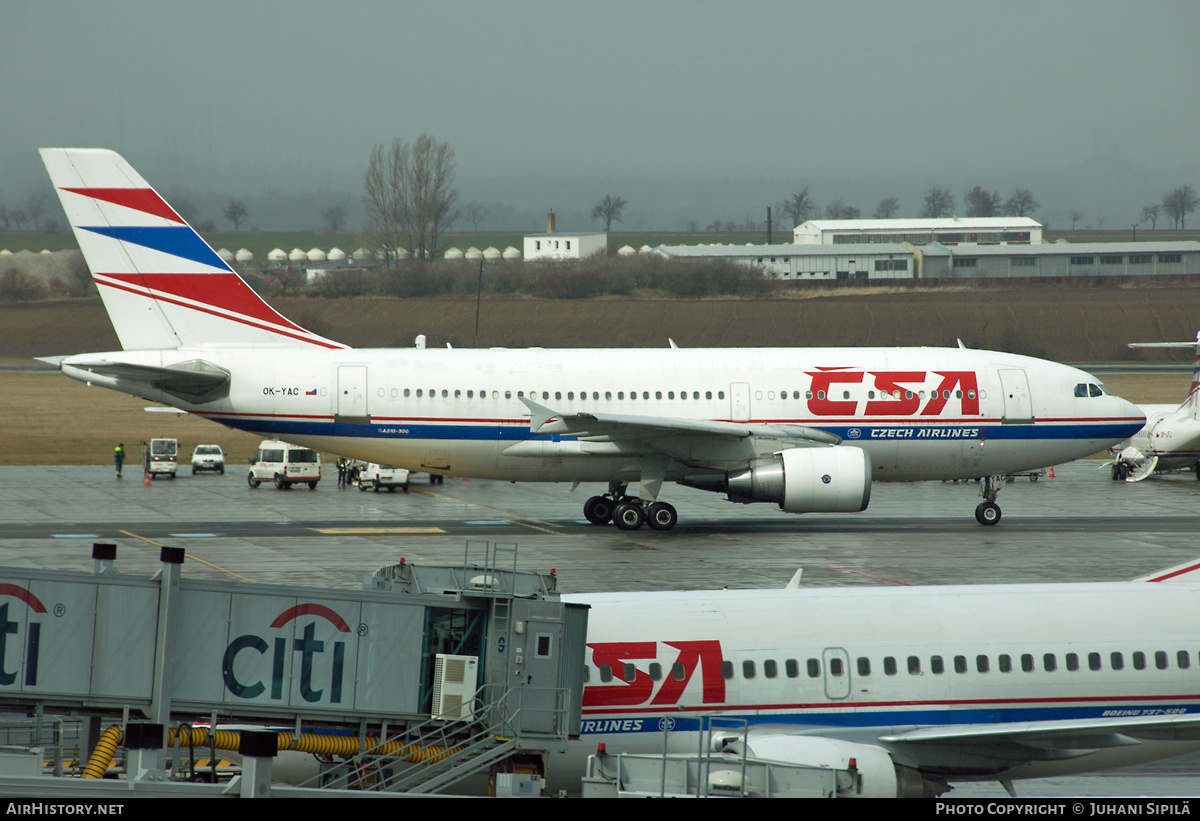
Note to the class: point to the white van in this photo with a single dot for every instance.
(284, 464)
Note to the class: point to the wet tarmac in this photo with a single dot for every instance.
(1077, 526)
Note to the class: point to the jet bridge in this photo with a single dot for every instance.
(477, 651)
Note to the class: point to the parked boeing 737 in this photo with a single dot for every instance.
(806, 429)
(913, 688)
(1170, 439)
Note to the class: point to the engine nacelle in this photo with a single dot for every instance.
(808, 480)
(864, 770)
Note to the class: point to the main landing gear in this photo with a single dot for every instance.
(628, 512)
(988, 512)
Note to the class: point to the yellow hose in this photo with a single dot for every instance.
(106, 748)
(318, 743)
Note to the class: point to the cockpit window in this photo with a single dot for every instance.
(1094, 390)
(1081, 390)
(1091, 389)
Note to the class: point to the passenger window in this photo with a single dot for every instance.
(1117, 661)
(1005, 664)
(670, 394)
(420, 393)
(1182, 660)
(1027, 662)
(981, 664)
(835, 667)
(1072, 662)
(595, 394)
(914, 666)
(645, 394)
(1049, 663)
(727, 669)
(792, 668)
(457, 394)
(747, 669)
(608, 394)
(864, 666)
(1160, 659)
(936, 665)
(620, 394)
(720, 394)
(1093, 661)
(570, 395)
(655, 670)
(814, 668)
(770, 670)
(606, 672)
(678, 671)
(708, 394)
(889, 665)
(520, 394)
(557, 395)
(406, 391)
(1139, 660)
(960, 664)
(545, 394)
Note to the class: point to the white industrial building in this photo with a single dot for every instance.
(810, 262)
(564, 246)
(883, 260)
(944, 230)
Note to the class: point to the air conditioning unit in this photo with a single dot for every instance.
(454, 686)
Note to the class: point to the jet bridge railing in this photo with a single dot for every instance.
(443, 751)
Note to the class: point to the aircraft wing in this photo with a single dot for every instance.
(194, 381)
(609, 427)
(1067, 734)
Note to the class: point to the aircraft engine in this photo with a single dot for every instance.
(807, 480)
(864, 770)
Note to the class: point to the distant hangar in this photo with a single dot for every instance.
(953, 248)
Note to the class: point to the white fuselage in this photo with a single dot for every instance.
(861, 664)
(920, 413)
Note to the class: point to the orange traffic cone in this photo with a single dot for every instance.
(147, 483)
(1050, 475)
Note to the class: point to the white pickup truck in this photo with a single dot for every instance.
(383, 476)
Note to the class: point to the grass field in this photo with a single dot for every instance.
(48, 419)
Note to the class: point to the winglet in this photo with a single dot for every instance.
(1187, 573)
(794, 581)
(541, 414)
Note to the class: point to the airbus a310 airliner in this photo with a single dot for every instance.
(807, 429)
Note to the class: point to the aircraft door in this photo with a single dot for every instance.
(352, 395)
(739, 401)
(1018, 408)
(837, 672)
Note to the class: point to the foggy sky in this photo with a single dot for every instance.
(691, 110)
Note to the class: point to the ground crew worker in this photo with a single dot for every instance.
(119, 457)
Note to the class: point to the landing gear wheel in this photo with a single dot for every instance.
(598, 510)
(662, 516)
(988, 513)
(629, 516)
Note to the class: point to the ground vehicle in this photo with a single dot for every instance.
(383, 476)
(159, 457)
(208, 457)
(285, 464)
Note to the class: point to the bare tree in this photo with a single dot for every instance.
(981, 202)
(335, 217)
(1149, 214)
(939, 202)
(609, 209)
(35, 206)
(799, 207)
(1021, 203)
(408, 194)
(1076, 216)
(236, 213)
(473, 212)
(1179, 203)
(19, 217)
(837, 210)
(5, 216)
(693, 226)
(887, 208)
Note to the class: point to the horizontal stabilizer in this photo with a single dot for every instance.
(193, 381)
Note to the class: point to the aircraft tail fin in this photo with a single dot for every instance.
(1192, 402)
(162, 285)
(1187, 573)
